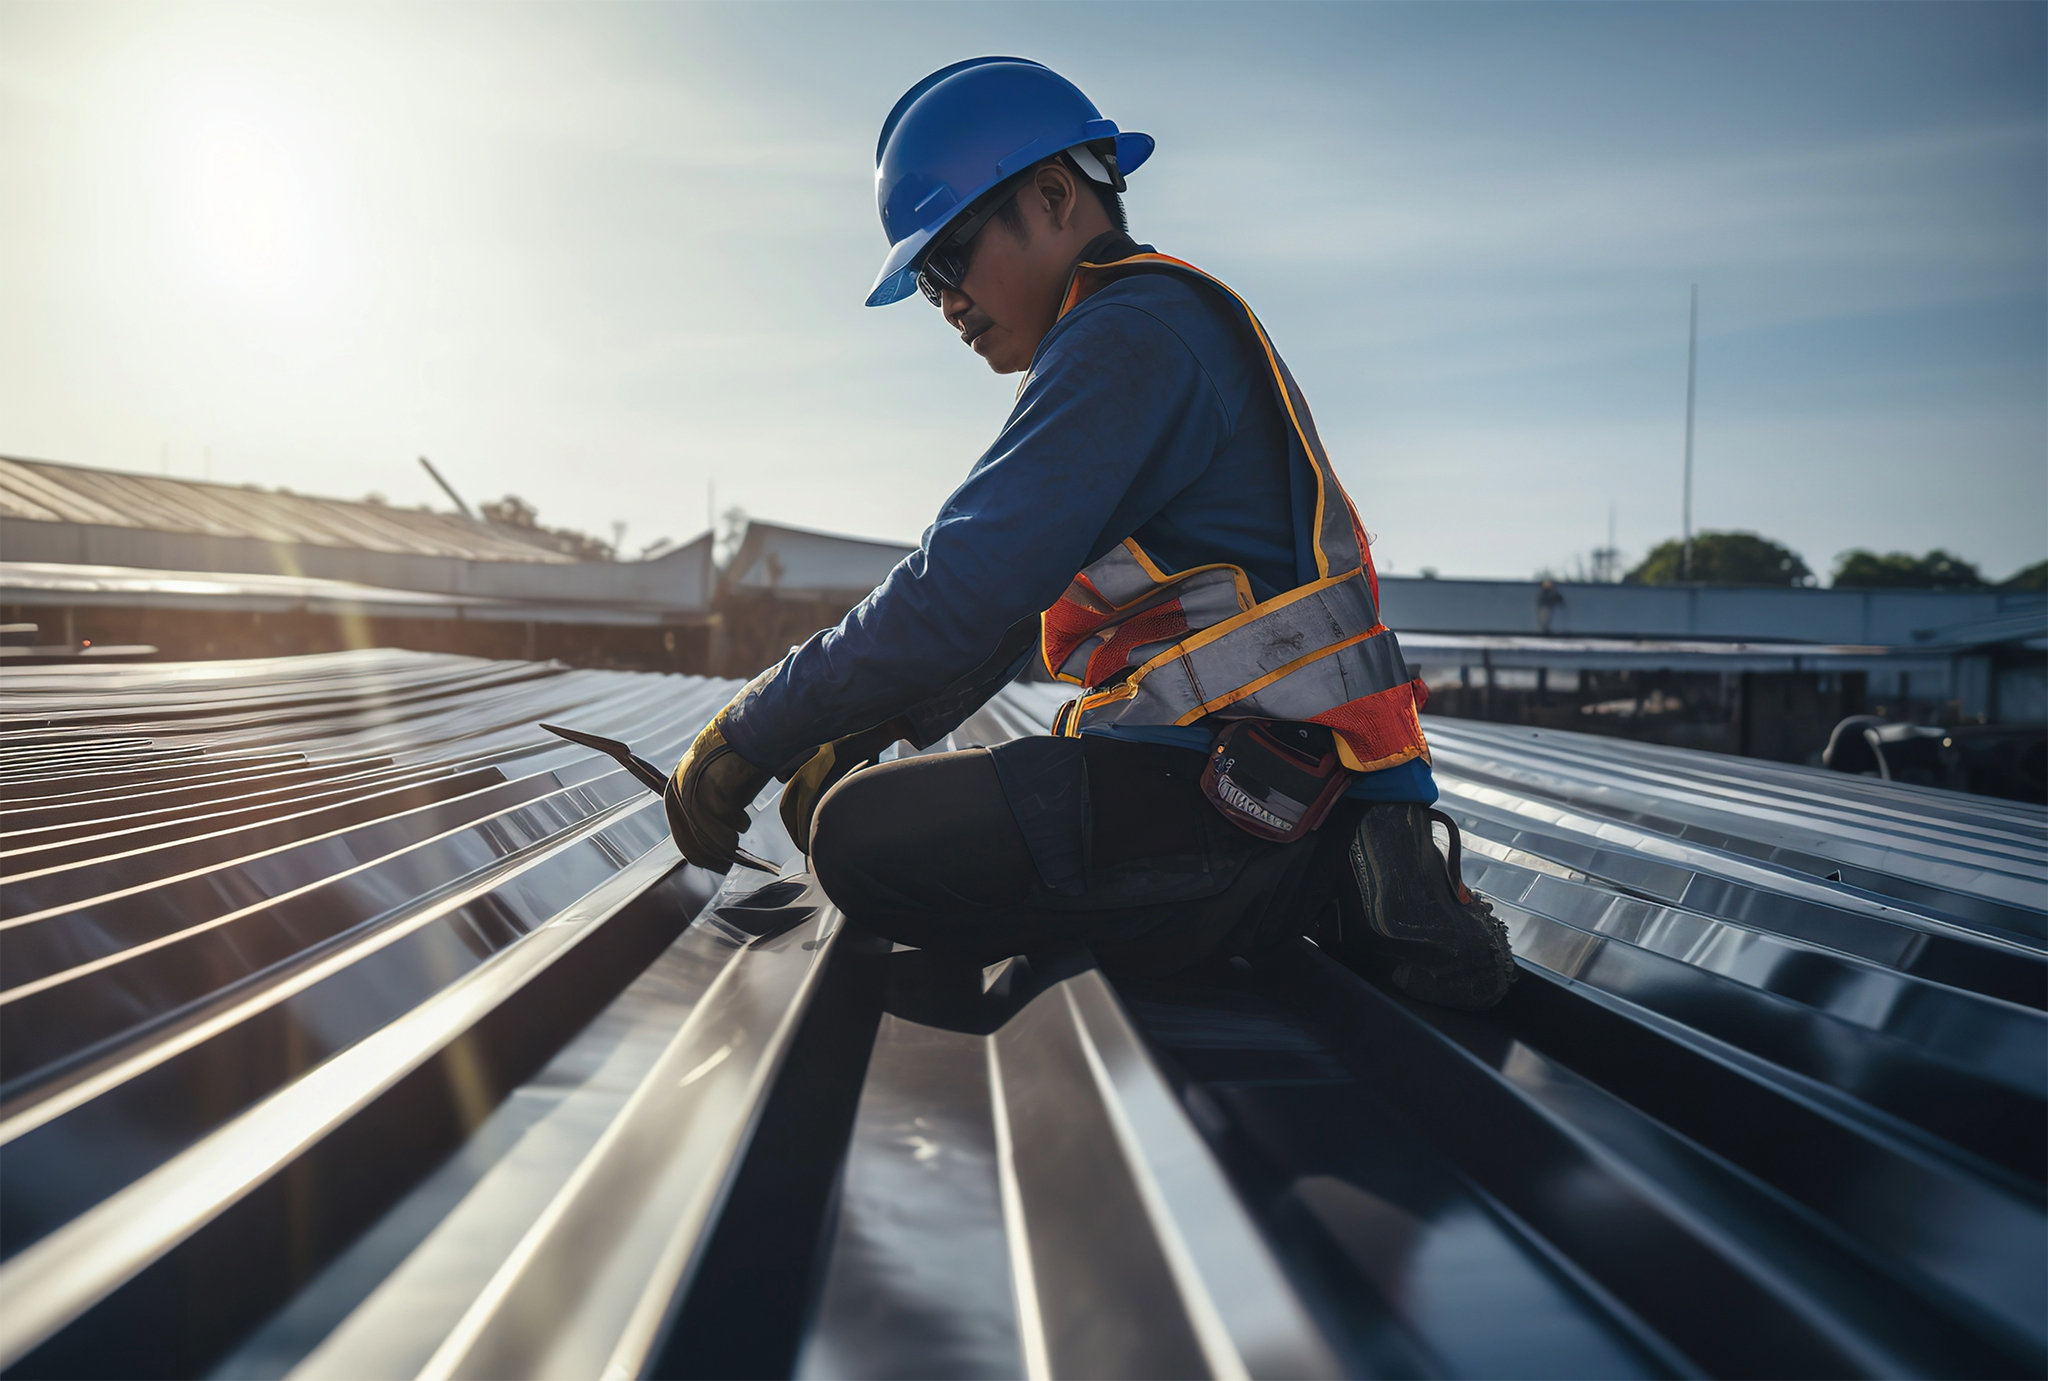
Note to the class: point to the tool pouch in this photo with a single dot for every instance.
(1273, 779)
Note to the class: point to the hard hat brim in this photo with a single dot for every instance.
(1132, 149)
(898, 278)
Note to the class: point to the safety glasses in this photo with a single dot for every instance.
(946, 266)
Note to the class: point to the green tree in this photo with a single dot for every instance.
(1722, 558)
(2034, 577)
(1898, 570)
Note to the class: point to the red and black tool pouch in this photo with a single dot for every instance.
(1273, 779)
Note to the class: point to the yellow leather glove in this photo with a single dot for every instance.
(826, 768)
(707, 798)
(800, 798)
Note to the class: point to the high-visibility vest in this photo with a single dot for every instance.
(1153, 648)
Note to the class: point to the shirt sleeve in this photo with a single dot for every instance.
(1117, 417)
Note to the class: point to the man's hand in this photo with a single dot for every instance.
(824, 770)
(708, 796)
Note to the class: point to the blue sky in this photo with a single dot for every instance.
(605, 257)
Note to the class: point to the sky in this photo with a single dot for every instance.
(611, 258)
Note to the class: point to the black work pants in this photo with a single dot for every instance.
(992, 852)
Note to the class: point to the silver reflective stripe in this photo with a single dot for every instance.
(1364, 668)
(1119, 577)
(1263, 646)
(1170, 693)
(1283, 635)
(1208, 599)
(1276, 638)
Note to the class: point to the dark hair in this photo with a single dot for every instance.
(1111, 202)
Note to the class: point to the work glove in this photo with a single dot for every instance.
(707, 798)
(826, 768)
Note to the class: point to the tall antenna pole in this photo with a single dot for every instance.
(1692, 356)
(446, 488)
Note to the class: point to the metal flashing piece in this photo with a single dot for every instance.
(353, 1024)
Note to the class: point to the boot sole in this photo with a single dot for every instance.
(1431, 946)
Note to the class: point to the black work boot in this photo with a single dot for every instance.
(1416, 924)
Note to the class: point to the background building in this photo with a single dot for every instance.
(193, 569)
(99, 564)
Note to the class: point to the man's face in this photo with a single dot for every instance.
(1010, 294)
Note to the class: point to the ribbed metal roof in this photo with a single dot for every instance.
(46, 492)
(352, 1026)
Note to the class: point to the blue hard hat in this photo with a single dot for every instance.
(962, 130)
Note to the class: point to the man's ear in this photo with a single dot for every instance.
(1054, 187)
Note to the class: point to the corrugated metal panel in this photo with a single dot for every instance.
(46, 492)
(353, 1027)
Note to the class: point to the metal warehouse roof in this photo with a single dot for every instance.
(798, 562)
(353, 1026)
(60, 584)
(56, 583)
(2028, 627)
(1623, 654)
(1756, 613)
(43, 491)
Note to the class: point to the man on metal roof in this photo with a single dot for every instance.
(1158, 522)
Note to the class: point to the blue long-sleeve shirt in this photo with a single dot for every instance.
(1145, 414)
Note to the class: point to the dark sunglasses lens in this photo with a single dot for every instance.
(946, 266)
(942, 270)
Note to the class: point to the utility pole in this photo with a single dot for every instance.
(1692, 357)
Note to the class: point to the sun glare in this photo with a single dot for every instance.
(247, 206)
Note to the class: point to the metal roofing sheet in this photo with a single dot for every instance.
(340, 997)
(49, 582)
(48, 492)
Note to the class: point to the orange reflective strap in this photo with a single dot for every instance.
(1186, 648)
(1080, 287)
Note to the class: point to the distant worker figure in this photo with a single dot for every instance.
(1158, 522)
(1549, 599)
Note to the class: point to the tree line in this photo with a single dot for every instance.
(1745, 558)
